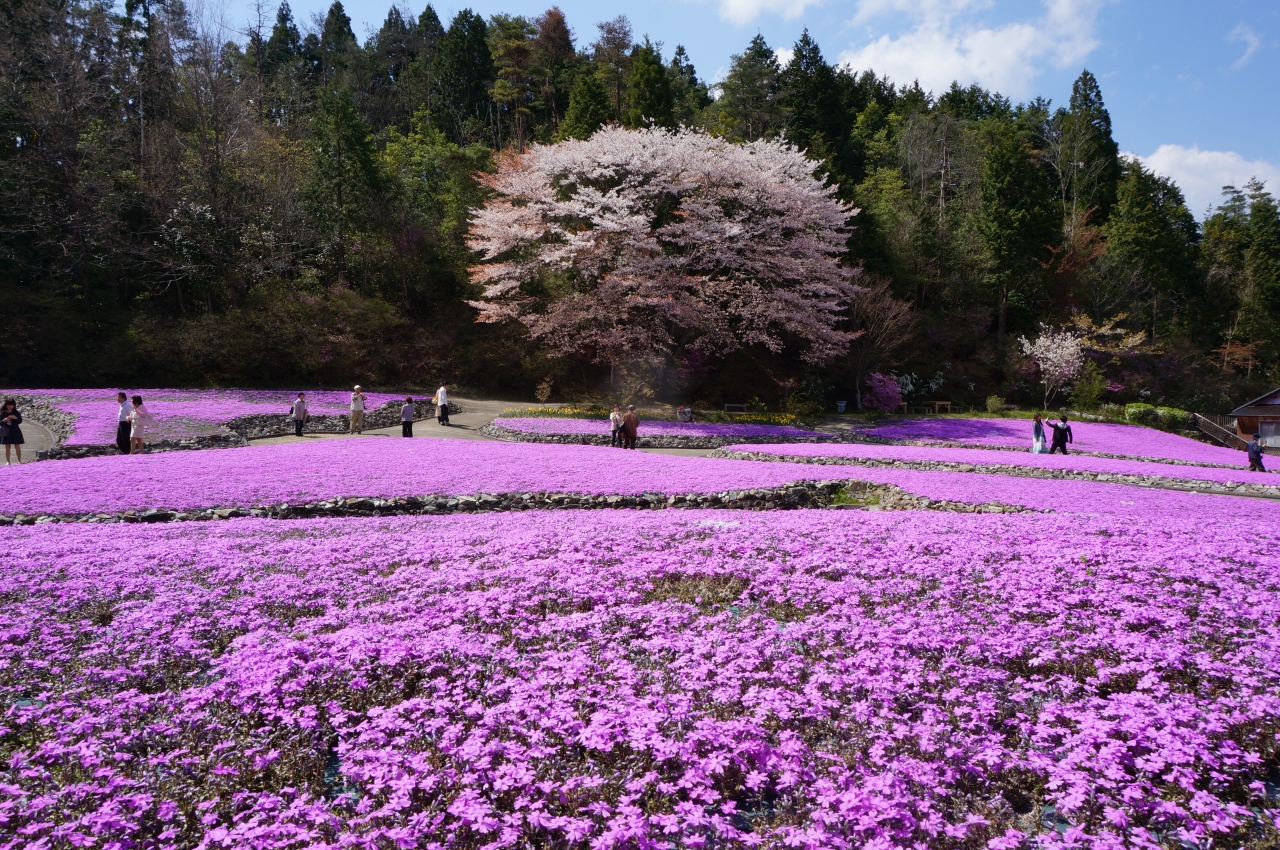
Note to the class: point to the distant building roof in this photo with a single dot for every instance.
(1264, 405)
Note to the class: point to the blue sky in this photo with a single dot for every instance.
(1193, 87)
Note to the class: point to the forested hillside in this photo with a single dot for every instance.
(280, 203)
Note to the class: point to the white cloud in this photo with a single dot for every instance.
(946, 43)
(745, 11)
(1202, 174)
(1251, 42)
(784, 54)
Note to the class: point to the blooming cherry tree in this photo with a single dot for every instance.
(641, 241)
(1059, 355)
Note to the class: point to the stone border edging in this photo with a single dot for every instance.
(796, 495)
(656, 441)
(873, 440)
(245, 428)
(1231, 488)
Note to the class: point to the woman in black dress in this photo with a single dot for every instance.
(10, 419)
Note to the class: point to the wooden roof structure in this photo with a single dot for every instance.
(1266, 405)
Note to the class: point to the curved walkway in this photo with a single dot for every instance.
(38, 439)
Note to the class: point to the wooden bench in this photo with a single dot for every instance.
(735, 408)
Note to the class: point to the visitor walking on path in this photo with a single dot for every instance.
(357, 411)
(300, 415)
(615, 427)
(1037, 436)
(1255, 454)
(122, 423)
(139, 417)
(406, 417)
(630, 426)
(1061, 435)
(10, 430)
(442, 404)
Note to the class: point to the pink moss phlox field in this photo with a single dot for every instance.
(656, 428)
(1083, 463)
(385, 467)
(1104, 437)
(704, 679)
(187, 413)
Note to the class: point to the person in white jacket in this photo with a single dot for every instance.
(357, 411)
(442, 404)
(139, 418)
(299, 414)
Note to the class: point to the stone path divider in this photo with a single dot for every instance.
(1231, 488)
(253, 427)
(643, 441)
(848, 494)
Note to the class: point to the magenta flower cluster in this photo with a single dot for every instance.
(1084, 463)
(1102, 437)
(655, 428)
(388, 468)
(624, 680)
(187, 413)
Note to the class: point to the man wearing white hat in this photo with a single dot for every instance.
(357, 410)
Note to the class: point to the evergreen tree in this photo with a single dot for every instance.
(511, 44)
(589, 108)
(1080, 148)
(285, 44)
(337, 42)
(464, 71)
(612, 54)
(344, 176)
(649, 99)
(427, 35)
(553, 52)
(1018, 224)
(688, 93)
(748, 101)
(1151, 240)
(816, 120)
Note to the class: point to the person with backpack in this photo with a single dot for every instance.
(300, 414)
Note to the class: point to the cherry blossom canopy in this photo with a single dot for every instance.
(642, 241)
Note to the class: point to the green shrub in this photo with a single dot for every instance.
(995, 404)
(1140, 414)
(1174, 419)
(1089, 387)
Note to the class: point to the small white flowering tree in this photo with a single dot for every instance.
(1059, 355)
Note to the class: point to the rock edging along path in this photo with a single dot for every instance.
(800, 494)
(643, 441)
(1266, 491)
(873, 440)
(246, 428)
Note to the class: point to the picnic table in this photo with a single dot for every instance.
(936, 406)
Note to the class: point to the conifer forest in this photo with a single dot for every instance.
(278, 201)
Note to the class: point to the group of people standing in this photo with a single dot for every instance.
(624, 427)
(132, 418)
(1061, 435)
(357, 405)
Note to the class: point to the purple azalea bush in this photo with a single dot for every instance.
(1103, 437)
(187, 413)
(883, 393)
(657, 428)
(699, 679)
